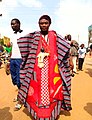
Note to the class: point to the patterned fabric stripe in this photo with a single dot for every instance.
(66, 63)
(66, 105)
(26, 83)
(21, 96)
(64, 43)
(68, 75)
(27, 57)
(66, 98)
(28, 75)
(24, 89)
(67, 90)
(28, 43)
(65, 93)
(22, 93)
(54, 113)
(22, 75)
(32, 61)
(65, 72)
(63, 48)
(63, 53)
(68, 81)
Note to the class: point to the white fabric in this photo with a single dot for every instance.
(45, 37)
(15, 48)
(74, 59)
(82, 52)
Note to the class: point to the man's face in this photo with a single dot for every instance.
(15, 26)
(44, 25)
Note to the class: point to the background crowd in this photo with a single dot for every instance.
(40, 52)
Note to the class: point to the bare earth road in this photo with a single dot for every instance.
(81, 97)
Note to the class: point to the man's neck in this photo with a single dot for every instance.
(18, 31)
(44, 32)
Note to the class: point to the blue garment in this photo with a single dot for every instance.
(15, 71)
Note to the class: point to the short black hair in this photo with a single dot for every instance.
(91, 46)
(45, 17)
(69, 37)
(17, 20)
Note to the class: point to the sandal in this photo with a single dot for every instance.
(17, 107)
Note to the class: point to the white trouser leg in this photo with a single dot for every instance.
(74, 58)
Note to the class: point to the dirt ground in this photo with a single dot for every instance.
(81, 96)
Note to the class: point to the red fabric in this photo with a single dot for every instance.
(55, 81)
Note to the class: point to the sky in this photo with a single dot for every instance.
(68, 16)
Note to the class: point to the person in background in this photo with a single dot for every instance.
(15, 60)
(1, 48)
(82, 54)
(69, 40)
(7, 55)
(7, 51)
(90, 52)
(74, 54)
(45, 72)
(1, 51)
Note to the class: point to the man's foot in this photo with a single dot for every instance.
(17, 107)
(78, 70)
(81, 70)
(15, 99)
(72, 75)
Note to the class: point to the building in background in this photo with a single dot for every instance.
(89, 35)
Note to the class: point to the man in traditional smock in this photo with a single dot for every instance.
(45, 73)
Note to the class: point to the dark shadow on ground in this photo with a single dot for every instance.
(88, 108)
(25, 110)
(5, 114)
(89, 71)
(66, 113)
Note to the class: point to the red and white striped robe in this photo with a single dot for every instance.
(28, 47)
